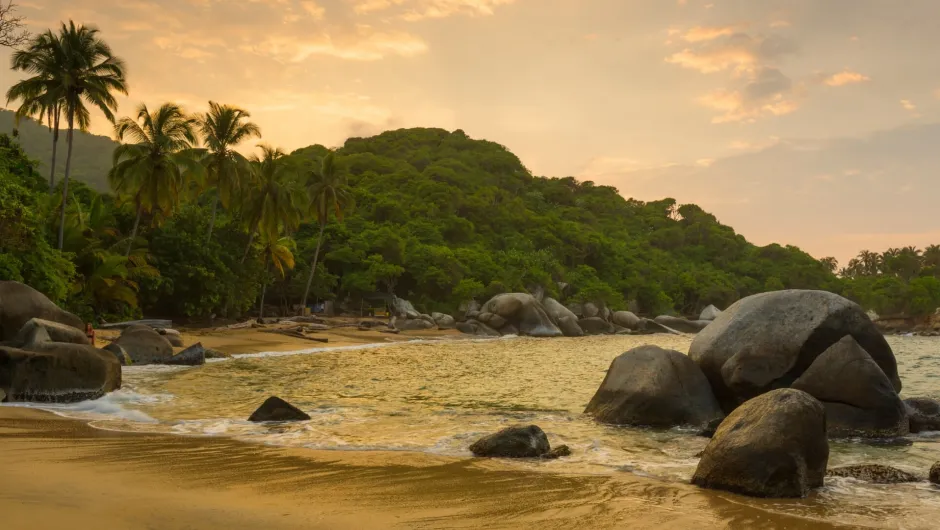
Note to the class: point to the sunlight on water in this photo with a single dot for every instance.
(440, 396)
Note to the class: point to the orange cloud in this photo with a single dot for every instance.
(719, 60)
(366, 45)
(414, 10)
(706, 33)
(736, 107)
(846, 77)
(908, 105)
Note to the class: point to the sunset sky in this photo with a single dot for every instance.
(806, 122)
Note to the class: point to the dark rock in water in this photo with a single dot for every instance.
(595, 326)
(681, 324)
(935, 473)
(656, 387)
(473, 327)
(626, 319)
(37, 331)
(57, 372)
(216, 354)
(924, 414)
(768, 340)
(566, 320)
(195, 355)
(558, 452)
(874, 473)
(276, 409)
(859, 399)
(774, 445)
(142, 344)
(711, 428)
(19, 303)
(513, 442)
(524, 312)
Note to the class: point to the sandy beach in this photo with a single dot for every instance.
(62, 473)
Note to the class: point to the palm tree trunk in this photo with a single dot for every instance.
(65, 183)
(313, 268)
(215, 206)
(264, 287)
(55, 145)
(251, 239)
(130, 244)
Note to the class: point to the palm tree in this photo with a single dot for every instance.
(153, 170)
(327, 191)
(222, 128)
(73, 68)
(271, 196)
(41, 95)
(279, 253)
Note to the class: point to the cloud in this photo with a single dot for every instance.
(415, 10)
(366, 45)
(706, 33)
(780, 24)
(313, 9)
(770, 93)
(908, 105)
(721, 51)
(846, 77)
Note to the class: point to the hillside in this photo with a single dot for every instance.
(91, 156)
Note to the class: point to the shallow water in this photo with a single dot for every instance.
(439, 396)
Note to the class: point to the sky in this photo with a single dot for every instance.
(814, 123)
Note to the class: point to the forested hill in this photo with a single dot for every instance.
(465, 218)
(91, 156)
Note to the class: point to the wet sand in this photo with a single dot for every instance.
(62, 473)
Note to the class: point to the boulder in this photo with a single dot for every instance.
(923, 413)
(444, 321)
(404, 308)
(19, 303)
(142, 345)
(859, 399)
(216, 354)
(566, 320)
(934, 476)
(874, 473)
(590, 310)
(195, 355)
(276, 409)
(768, 340)
(175, 338)
(682, 324)
(558, 452)
(654, 387)
(513, 442)
(58, 372)
(774, 445)
(626, 319)
(414, 324)
(577, 309)
(37, 330)
(524, 312)
(650, 327)
(595, 326)
(474, 327)
(709, 313)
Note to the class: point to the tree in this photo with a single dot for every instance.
(272, 196)
(276, 253)
(78, 68)
(222, 128)
(328, 191)
(832, 264)
(12, 33)
(153, 170)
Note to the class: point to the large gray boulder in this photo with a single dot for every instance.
(682, 324)
(513, 442)
(655, 387)
(626, 319)
(141, 345)
(414, 324)
(774, 445)
(444, 321)
(923, 413)
(523, 312)
(19, 303)
(404, 308)
(709, 313)
(37, 331)
(475, 327)
(566, 320)
(595, 326)
(58, 372)
(768, 340)
(859, 399)
(590, 310)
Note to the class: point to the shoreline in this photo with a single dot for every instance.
(63, 472)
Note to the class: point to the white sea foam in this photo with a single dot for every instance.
(111, 406)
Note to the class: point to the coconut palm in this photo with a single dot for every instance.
(74, 68)
(327, 191)
(271, 196)
(277, 253)
(222, 128)
(40, 96)
(153, 170)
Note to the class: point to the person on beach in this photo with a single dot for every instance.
(90, 333)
